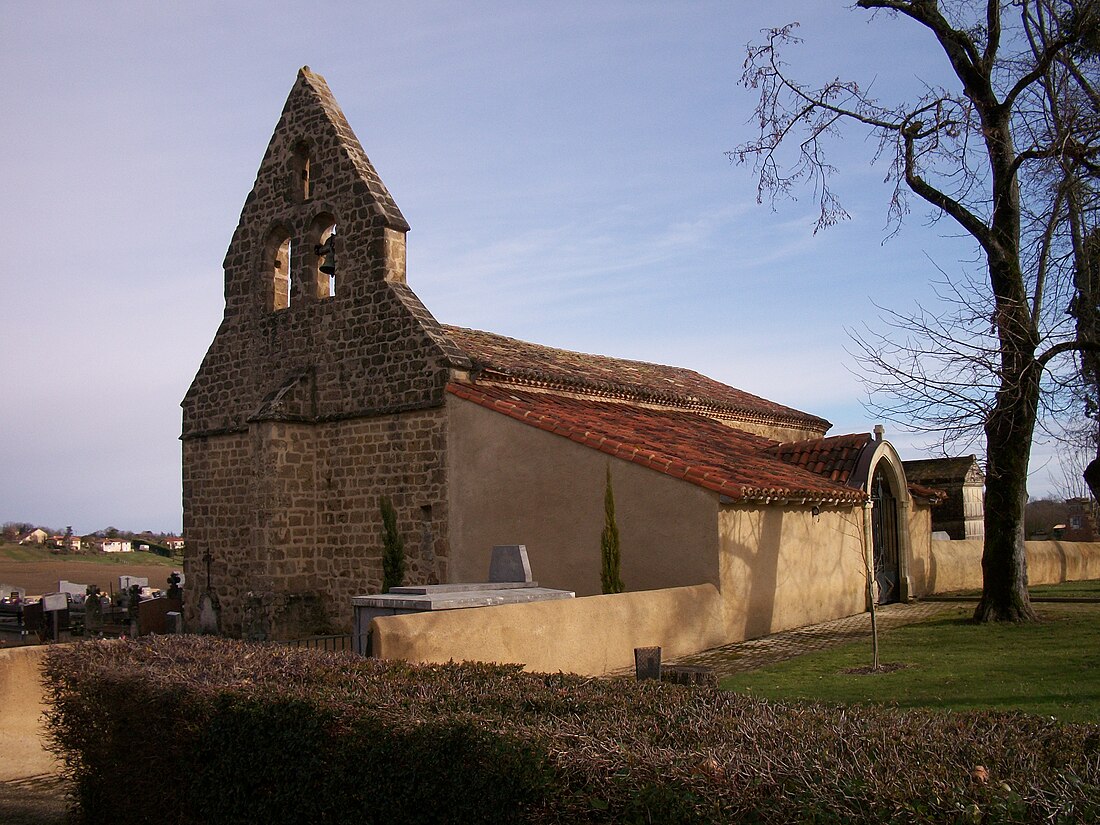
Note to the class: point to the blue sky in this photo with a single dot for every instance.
(562, 167)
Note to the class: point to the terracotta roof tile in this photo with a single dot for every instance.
(497, 357)
(682, 444)
(930, 493)
(835, 457)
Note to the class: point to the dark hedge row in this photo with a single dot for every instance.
(208, 731)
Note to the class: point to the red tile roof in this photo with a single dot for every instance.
(835, 457)
(931, 493)
(681, 444)
(496, 357)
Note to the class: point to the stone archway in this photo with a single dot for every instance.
(885, 537)
(886, 521)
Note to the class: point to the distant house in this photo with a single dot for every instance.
(173, 543)
(962, 514)
(35, 536)
(1081, 520)
(70, 543)
(118, 546)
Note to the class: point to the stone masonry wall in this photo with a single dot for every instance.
(289, 510)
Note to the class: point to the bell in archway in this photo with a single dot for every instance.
(327, 253)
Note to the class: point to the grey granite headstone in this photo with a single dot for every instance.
(208, 614)
(647, 663)
(173, 622)
(509, 563)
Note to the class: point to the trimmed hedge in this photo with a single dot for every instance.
(208, 730)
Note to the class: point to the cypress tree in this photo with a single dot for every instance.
(609, 543)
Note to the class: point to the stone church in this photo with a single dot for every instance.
(329, 386)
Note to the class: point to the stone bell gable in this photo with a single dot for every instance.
(321, 393)
(294, 342)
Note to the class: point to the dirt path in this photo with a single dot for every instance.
(39, 577)
(36, 800)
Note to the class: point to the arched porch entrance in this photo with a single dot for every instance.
(886, 555)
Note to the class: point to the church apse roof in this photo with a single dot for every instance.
(512, 361)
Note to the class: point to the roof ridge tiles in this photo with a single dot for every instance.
(511, 360)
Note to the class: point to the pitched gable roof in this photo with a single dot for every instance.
(678, 443)
(497, 357)
(944, 470)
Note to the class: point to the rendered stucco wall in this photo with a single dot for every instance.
(920, 539)
(592, 635)
(776, 432)
(784, 567)
(957, 565)
(509, 483)
(21, 708)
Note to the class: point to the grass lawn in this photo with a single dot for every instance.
(1050, 668)
(26, 553)
(1069, 590)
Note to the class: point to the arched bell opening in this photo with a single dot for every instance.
(323, 260)
(277, 257)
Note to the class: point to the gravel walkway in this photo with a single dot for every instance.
(778, 647)
(36, 800)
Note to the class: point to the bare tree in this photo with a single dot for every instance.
(996, 156)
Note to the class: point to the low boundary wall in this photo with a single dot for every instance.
(957, 565)
(592, 635)
(596, 635)
(21, 707)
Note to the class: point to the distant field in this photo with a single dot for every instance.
(38, 570)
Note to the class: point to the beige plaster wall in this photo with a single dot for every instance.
(510, 483)
(957, 565)
(783, 567)
(593, 635)
(920, 544)
(21, 709)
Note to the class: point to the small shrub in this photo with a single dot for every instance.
(393, 549)
(239, 732)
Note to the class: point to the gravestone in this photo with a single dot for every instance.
(509, 563)
(173, 622)
(647, 663)
(208, 614)
(76, 591)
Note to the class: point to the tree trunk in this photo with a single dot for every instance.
(1009, 429)
(1092, 476)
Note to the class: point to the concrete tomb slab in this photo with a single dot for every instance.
(510, 583)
